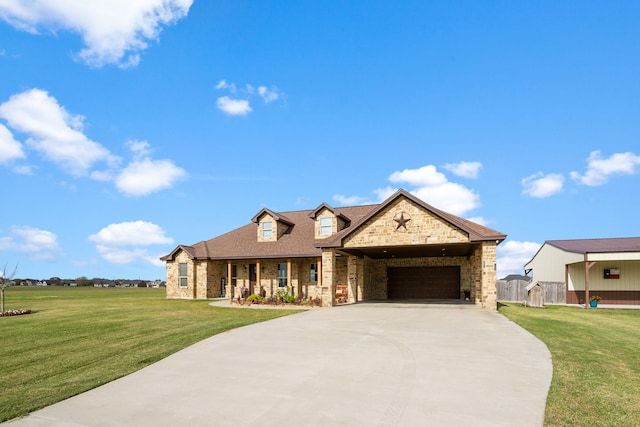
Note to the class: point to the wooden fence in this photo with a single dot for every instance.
(514, 291)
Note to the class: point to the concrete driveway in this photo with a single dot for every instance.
(385, 364)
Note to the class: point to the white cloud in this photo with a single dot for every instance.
(435, 189)
(114, 31)
(464, 169)
(479, 220)
(118, 255)
(268, 95)
(125, 242)
(58, 136)
(146, 176)
(234, 107)
(599, 169)
(238, 104)
(349, 201)
(39, 244)
(450, 197)
(10, 149)
(513, 255)
(384, 193)
(139, 148)
(424, 176)
(540, 185)
(22, 170)
(53, 132)
(222, 84)
(132, 233)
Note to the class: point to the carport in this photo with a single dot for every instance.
(422, 272)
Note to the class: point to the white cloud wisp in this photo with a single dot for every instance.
(513, 255)
(238, 104)
(113, 31)
(434, 188)
(464, 169)
(10, 149)
(599, 169)
(58, 136)
(41, 245)
(53, 132)
(233, 107)
(540, 185)
(126, 242)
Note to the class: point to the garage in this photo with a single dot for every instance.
(423, 282)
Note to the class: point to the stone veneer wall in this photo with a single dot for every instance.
(211, 279)
(274, 228)
(483, 289)
(335, 224)
(355, 278)
(488, 298)
(174, 291)
(424, 228)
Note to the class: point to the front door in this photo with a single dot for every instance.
(252, 278)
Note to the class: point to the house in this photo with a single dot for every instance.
(609, 268)
(512, 277)
(402, 248)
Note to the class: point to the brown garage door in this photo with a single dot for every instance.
(423, 282)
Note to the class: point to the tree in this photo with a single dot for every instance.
(5, 282)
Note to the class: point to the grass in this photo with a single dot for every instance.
(79, 338)
(596, 363)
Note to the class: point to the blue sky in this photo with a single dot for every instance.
(127, 128)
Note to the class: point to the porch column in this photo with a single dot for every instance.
(229, 287)
(488, 299)
(587, 267)
(257, 291)
(328, 278)
(355, 278)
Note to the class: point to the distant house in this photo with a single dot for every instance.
(609, 268)
(104, 284)
(402, 248)
(512, 277)
(131, 284)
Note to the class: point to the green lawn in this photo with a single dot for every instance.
(596, 363)
(79, 338)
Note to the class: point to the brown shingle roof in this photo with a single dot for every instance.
(581, 246)
(298, 242)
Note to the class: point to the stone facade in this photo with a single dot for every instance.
(422, 228)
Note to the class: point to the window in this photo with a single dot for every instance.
(234, 274)
(313, 272)
(282, 274)
(326, 226)
(267, 229)
(182, 274)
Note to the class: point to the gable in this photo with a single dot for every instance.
(404, 222)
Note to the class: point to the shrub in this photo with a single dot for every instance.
(255, 298)
(285, 295)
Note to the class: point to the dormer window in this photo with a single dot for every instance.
(267, 229)
(326, 226)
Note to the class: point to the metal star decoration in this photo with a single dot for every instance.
(402, 221)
